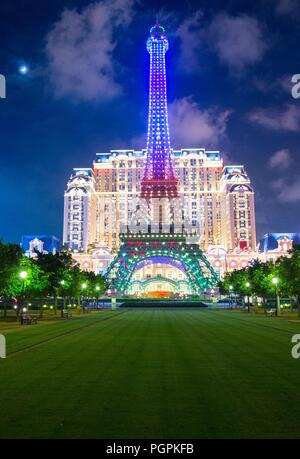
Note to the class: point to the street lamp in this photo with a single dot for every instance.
(97, 288)
(83, 286)
(248, 302)
(231, 294)
(23, 275)
(275, 282)
(62, 283)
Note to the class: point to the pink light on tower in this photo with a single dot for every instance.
(159, 179)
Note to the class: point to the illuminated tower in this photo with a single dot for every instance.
(159, 235)
(159, 180)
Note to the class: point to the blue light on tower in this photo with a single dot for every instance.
(159, 179)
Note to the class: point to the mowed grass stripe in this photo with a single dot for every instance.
(262, 321)
(155, 373)
(28, 337)
(52, 383)
(248, 366)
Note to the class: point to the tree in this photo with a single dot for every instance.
(27, 287)
(10, 255)
(58, 267)
(289, 273)
(77, 280)
(267, 278)
(261, 275)
(47, 274)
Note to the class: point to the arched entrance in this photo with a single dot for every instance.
(159, 287)
(138, 250)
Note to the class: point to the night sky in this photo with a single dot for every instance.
(85, 91)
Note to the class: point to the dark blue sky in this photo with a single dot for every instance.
(229, 72)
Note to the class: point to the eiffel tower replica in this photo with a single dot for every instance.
(158, 232)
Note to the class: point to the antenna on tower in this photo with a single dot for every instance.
(156, 18)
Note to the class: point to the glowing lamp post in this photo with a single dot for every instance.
(97, 288)
(23, 276)
(83, 287)
(62, 283)
(231, 294)
(247, 285)
(275, 282)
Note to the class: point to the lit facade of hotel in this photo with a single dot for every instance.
(99, 201)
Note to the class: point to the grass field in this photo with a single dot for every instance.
(151, 374)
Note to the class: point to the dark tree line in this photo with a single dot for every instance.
(268, 279)
(46, 275)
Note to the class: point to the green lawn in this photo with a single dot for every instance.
(151, 374)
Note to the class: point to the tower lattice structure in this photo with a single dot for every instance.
(159, 180)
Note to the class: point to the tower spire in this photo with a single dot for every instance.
(159, 179)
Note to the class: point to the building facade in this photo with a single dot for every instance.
(217, 199)
(32, 244)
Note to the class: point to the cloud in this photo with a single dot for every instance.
(287, 191)
(80, 47)
(191, 36)
(280, 84)
(238, 40)
(284, 119)
(286, 6)
(281, 159)
(190, 126)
